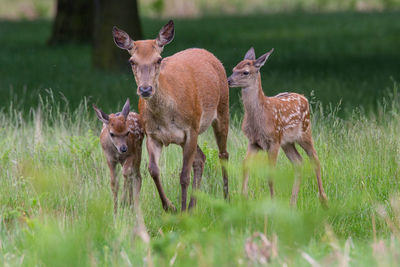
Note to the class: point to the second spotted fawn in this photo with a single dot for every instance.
(273, 122)
(121, 139)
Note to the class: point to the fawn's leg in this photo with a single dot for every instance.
(114, 183)
(198, 167)
(272, 156)
(251, 150)
(189, 152)
(127, 172)
(308, 146)
(154, 149)
(296, 159)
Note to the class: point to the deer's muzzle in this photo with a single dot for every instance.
(145, 91)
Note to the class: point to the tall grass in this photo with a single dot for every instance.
(56, 207)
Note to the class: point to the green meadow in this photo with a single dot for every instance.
(56, 205)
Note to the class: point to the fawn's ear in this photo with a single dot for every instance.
(125, 109)
(166, 34)
(250, 55)
(261, 60)
(122, 39)
(101, 115)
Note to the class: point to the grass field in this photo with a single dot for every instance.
(56, 207)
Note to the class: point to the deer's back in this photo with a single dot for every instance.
(283, 118)
(194, 73)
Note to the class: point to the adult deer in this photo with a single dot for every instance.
(273, 122)
(180, 97)
(121, 140)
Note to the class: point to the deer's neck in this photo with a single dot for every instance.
(253, 98)
(159, 102)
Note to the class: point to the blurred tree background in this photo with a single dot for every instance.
(336, 50)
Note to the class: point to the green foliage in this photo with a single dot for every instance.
(83, 146)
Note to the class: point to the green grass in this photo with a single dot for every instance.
(56, 205)
(351, 57)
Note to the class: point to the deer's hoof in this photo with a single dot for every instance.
(169, 207)
(324, 201)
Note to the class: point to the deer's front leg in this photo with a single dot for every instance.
(251, 150)
(137, 181)
(189, 152)
(127, 171)
(273, 152)
(113, 183)
(154, 149)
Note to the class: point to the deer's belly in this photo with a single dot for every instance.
(291, 133)
(168, 135)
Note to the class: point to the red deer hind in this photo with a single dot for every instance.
(180, 97)
(273, 122)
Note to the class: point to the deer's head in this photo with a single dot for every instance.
(246, 71)
(117, 126)
(145, 57)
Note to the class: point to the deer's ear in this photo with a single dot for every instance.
(261, 60)
(166, 34)
(125, 109)
(101, 115)
(122, 39)
(250, 55)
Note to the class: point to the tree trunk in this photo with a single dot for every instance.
(73, 22)
(109, 13)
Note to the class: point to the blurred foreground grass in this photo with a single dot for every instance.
(56, 207)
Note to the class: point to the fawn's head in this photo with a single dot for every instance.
(246, 72)
(117, 126)
(145, 57)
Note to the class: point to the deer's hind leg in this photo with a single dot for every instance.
(221, 127)
(293, 155)
(198, 168)
(308, 146)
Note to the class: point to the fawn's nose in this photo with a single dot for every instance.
(123, 148)
(229, 81)
(145, 91)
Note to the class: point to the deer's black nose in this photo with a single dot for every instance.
(123, 148)
(145, 91)
(229, 81)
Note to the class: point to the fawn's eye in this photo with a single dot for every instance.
(159, 60)
(245, 73)
(127, 134)
(112, 135)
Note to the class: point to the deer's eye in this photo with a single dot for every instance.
(127, 134)
(159, 61)
(245, 73)
(112, 135)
